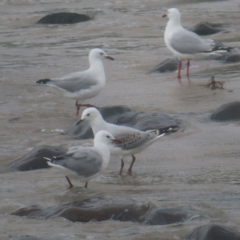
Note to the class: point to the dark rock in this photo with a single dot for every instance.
(168, 65)
(205, 28)
(121, 115)
(27, 237)
(99, 209)
(227, 112)
(230, 57)
(213, 232)
(162, 216)
(63, 18)
(34, 159)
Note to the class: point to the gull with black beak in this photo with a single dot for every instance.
(85, 162)
(187, 45)
(130, 141)
(82, 85)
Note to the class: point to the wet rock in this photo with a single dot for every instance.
(227, 112)
(168, 65)
(231, 57)
(163, 216)
(213, 232)
(63, 18)
(98, 209)
(34, 159)
(205, 28)
(122, 115)
(27, 237)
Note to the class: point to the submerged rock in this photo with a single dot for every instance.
(205, 28)
(98, 209)
(163, 216)
(63, 18)
(34, 159)
(122, 115)
(168, 65)
(227, 112)
(213, 232)
(232, 56)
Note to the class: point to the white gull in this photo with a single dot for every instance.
(85, 162)
(130, 141)
(187, 45)
(82, 85)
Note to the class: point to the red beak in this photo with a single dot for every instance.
(109, 57)
(164, 15)
(116, 140)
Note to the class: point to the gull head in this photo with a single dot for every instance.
(90, 115)
(98, 53)
(172, 13)
(104, 137)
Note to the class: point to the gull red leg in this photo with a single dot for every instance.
(122, 165)
(188, 65)
(69, 182)
(130, 168)
(78, 107)
(179, 69)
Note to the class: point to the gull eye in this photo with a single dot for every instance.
(108, 136)
(101, 53)
(88, 114)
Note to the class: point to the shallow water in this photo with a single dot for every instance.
(195, 168)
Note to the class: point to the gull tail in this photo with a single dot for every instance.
(49, 160)
(219, 50)
(43, 81)
(51, 164)
(168, 130)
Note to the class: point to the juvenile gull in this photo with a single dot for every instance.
(85, 162)
(187, 45)
(130, 140)
(82, 85)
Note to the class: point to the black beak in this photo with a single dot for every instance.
(109, 57)
(78, 122)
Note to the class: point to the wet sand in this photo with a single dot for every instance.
(196, 168)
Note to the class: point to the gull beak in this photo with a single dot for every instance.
(164, 15)
(78, 122)
(109, 57)
(116, 140)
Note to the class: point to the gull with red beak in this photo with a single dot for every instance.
(187, 45)
(82, 85)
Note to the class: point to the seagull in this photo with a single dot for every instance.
(130, 141)
(82, 85)
(85, 162)
(187, 45)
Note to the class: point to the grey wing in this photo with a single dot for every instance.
(132, 141)
(86, 162)
(119, 131)
(74, 83)
(187, 42)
